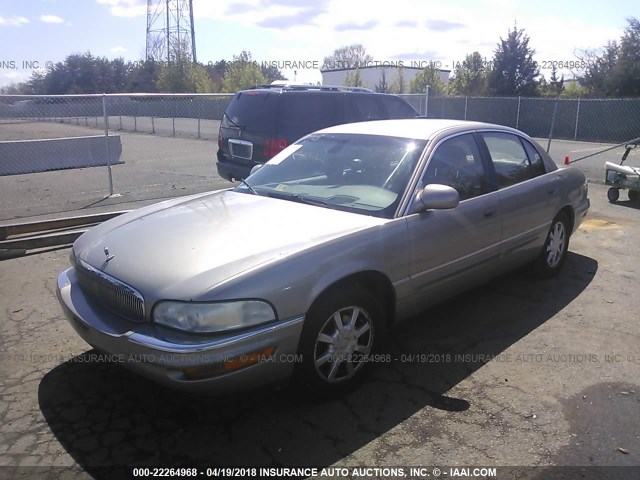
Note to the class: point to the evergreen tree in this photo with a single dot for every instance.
(514, 72)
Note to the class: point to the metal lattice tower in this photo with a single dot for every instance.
(171, 36)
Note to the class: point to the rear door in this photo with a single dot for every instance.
(528, 195)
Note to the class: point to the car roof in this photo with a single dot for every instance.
(302, 88)
(418, 128)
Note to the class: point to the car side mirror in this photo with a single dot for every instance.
(255, 168)
(435, 197)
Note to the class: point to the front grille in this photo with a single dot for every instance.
(117, 296)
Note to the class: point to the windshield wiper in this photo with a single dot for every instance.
(251, 189)
(298, 198)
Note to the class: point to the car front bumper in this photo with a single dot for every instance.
(170, 357)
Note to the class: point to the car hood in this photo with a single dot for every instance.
(183, 248)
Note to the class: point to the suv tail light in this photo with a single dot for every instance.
(220, 139)
(273, 146)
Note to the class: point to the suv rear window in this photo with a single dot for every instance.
(398, 108)
(255, 111)
(363, 107)
(305, 113)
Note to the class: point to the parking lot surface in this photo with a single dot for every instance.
(161, 165)
(518, 372)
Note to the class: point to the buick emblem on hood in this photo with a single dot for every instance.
(109, 257)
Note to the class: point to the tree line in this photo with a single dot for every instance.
(611, 71)
(85, 73)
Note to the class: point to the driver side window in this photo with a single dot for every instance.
(457, 163)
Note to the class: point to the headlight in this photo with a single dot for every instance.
(212, 317)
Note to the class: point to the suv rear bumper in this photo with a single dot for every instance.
(228, 169)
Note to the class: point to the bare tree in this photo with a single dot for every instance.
(350, 56)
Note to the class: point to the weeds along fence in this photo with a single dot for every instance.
(591, 120)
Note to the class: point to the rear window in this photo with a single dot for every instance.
(365, 107)
(253, 111)
(398, 108)
(305, 113)
(375, 106)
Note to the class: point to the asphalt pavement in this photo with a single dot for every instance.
(518, 372)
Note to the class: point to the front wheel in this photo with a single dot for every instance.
(556, 245)
(613, 194)
(340, 334)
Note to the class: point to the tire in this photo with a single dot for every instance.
(613, 194)
(554, 252)
(334, 360)
(633, 195)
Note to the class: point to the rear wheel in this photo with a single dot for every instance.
(633, 195)
(613, 194)
(340, 334)
(554, 252)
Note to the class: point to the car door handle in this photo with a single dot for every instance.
(551, 191)
(489, 212)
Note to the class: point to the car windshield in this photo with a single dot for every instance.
(358, 173)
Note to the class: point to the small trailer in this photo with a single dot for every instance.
(622, 177)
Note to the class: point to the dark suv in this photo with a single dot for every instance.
(260, 122)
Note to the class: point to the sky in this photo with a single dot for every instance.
(34, 33)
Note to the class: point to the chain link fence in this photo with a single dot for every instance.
(60, 153)
(585, 120)
(63, 153)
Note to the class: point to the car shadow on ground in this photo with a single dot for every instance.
(105, 416)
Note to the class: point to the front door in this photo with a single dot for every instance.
(454, 249)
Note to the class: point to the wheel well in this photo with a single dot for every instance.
(568, 211)
(376, 283)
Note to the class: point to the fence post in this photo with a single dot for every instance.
(173, 121)
(106, 138)
(553, 122)
(575, 132)
(426, 102)
(518, 113)
(135, 123)
(198, 126)
(153, 125)
(466, 101)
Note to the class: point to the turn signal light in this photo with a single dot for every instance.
(230, 365)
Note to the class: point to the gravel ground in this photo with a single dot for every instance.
(518, 372)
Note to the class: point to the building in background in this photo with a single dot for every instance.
(371, 76)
